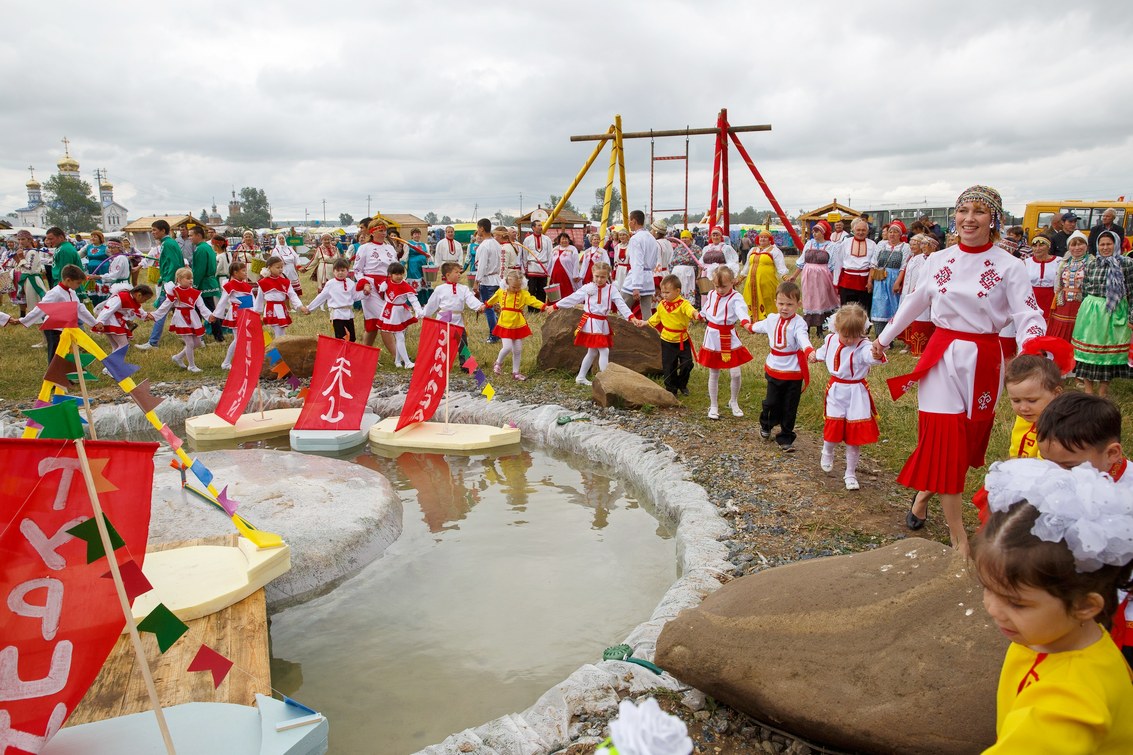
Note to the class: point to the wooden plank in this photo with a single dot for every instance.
(239, 633)
(672, 132)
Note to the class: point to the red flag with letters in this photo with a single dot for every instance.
(247, 362)
(59, 619)
(436, 351)
(340, 385)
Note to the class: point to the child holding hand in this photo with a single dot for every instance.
(400, 308)
(71, 278)
(233, 291)
(851, 417)
(188, 312)
(672, 319)
(275, 291)
(723, 309)
(599, 299)
(117, 314)
(512, 326)
(786, 367)
(339, 294)
(1047, 584)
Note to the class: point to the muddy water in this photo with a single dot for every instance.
(511, 572)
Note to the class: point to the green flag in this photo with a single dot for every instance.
(165, 626)
(61, 421)
(88, 532)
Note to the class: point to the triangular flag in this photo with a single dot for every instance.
(87, 531)
(60, 314)
(115, 364)
(133, 579)
(170, 437)
(299, 705)
(303, 392)
(244, 301)
(164, 625)
(226, 503)
(57, 372)
(281, 370)
(489, 391)
(59, 398)
(471, 364)
(60, 421)
(293, 382)
(202, 472)
(274, 357)
(84, 359)
(145, 400)
(464, 353)
(480, 378)
(208, 659)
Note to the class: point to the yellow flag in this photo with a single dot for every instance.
(489, 391)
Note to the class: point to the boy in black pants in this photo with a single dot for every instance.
(71, 277)
(786, 367)
(672, 318)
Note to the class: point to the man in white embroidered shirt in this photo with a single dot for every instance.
(643, 252)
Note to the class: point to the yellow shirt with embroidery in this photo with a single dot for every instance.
(1074, 702)
(1024, 440)
(673, 317)
(512, 305)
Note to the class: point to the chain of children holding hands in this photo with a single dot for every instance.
(1055, 547)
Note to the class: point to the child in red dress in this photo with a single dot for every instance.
(189, 311)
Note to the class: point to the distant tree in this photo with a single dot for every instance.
(675, 219)
(71, 204)
(345, 218)
(502, 219)
(254, 210)
(554, 202)
(447, 220)
(431, 218)
(749, 216)
(615, 205)
(204, 218)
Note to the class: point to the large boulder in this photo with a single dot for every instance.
(639, 349)
(887, 651)
(625, 389)
(298, 353)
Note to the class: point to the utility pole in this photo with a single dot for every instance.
(324, 211)
(304, 216)
(475, 211)
(368, 205)
(521, 204)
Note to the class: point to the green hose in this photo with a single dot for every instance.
(625, 653)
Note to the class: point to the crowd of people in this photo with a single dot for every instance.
(981, 313)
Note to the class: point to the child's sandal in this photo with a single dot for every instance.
(519, 376)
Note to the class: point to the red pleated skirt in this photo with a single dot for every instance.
(947, 445)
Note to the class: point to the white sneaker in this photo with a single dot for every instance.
(713, 413)
(583, 381)
(410, 365)
(852, 483)
(226, 367)
(144, 346)
(179, 360)
(736, 410)
(193, 368)
(826, 461)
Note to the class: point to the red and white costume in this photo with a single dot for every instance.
(722, 349)
(229, 304)
(586, 263)
(1043, 277)
(621, 262)
(851, 416)
(339, 297)
(973, 294)
(59, 293)
(272, 298)
(372, 261)
(920, 329)
(538, 255)
(598, 302)
(790, 346)
(119, 310)
(564, 268)
(189, 310)
(399, 306)
(852, 262)
(448, 302)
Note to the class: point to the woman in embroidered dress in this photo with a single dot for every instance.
(290, 259)
(719, 252)
(1042, 266)
(620, 254)
(1068, 287)
(594, 253)
(853, 259)
(1101, 332)
(764, 271)
(820, 298)
(686, 264)
(564, 265)
(971, 291)
(247, 252)
(323, 260)
(892, 255)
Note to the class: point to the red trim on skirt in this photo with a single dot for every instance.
(594, 340)
(181, 330)
(118, 330)
(284, 321)
(713, 360)
(947, 445)
(852, 432)
(1060, 322)
(229, 323)
(372, 325)
(394, 327)
(513, 333)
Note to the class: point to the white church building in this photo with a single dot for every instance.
(35, 214)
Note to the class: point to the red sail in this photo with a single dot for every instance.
(247, 361)
(340, 385)
(436, 351)
(59, 618)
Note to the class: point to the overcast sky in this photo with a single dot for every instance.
(450, 105)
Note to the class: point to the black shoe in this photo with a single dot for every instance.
(765, 434)
(912, 521)
(684, 390)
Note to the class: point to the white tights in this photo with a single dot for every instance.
(191, 344)
(402, 357)
(603, 357)
(714, 386)
(853, 454)
(278, 331)
(228, 355)
(513, 346)
(117, 341)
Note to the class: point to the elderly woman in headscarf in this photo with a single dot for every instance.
(1101, 333)
(290, 259)
(761, 275)
(719, 252)
(323, 259)
(686, 263)
(853, 259)
(820, 298)
(971, 292)
(247, 252)
(892, 254)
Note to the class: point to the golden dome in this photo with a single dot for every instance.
(106, 185)
(33, 184)
(68, 163)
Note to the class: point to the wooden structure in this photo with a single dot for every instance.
(808, 220)
(139, 230)
(404, 224)
(570, 221)
(239, 633)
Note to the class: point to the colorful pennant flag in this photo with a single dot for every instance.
(87, 531)
(471, 364)
(57, 371)
(202, 472)
(164, 625)
(296, 704)
(208, 659)
(85, 361)
(226, 503)
(489, 391)
(281, 370)
(480, 378)
(59, 421)
(274, 357)
(293, 382)
(60, 315)
(115, 364)
(170, 437)
(145, 400)
(59, 398)
(135, 582)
